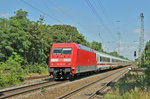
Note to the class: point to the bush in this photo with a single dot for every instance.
(36, 68)
(147, 76)
(15, 74)
(11, 71)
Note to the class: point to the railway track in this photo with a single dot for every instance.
(47, 84)
(76, 91)
(101, 89)
(28, 88)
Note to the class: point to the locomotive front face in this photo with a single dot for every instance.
(60, 61)
(61, 57)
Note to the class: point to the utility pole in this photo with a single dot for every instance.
(41, 19)
(141, 42)
(119, 42)
(101, 37)
(118, 33)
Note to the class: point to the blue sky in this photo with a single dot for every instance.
(113, 16)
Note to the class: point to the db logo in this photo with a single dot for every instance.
(60, 59)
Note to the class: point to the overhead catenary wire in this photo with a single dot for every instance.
(105, 12)
(97, 15)
(41, 11)
(46, 5)
(107, 15)
(62, 11)
(99, 18)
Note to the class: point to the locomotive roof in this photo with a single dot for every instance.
(91, 50)
(78, 45)
(85, 48)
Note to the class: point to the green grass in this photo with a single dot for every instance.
(133, 94)
(131, 86)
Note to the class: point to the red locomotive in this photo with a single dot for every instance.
(68, 60)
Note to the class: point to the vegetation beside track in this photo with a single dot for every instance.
(132, 86)
(12, 73)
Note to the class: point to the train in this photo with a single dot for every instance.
(69, 60)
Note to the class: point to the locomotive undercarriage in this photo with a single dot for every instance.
(61, 73)
(65, 73)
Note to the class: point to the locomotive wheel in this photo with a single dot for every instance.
(64, 77)
(77, 76)
(58, 78)
(71, 78)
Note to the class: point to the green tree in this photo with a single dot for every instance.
(114, 53)
(146, 63)
(62, 33)
(147, 54)
(3, 40)
(14, 35)
(96, 46)
(40, 43)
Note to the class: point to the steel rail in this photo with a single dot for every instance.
(79, 89)
(28, 88)
(104, 86)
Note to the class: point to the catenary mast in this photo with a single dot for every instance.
(141, 42)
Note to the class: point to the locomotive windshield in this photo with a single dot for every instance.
(62, 51)
(57, 51)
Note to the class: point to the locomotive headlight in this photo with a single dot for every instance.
(68, 63)
(54, 60)
(67, 60)
(52, 63)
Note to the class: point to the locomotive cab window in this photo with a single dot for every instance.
(63, 51)
(57, 51)
(66, 51)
